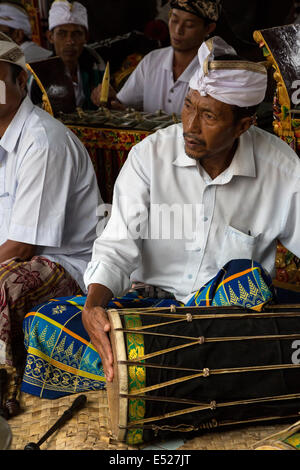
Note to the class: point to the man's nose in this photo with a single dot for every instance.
(179, 29)
(70, 38)
(193, 123)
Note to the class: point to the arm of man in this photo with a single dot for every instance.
(96, 323)
(12, 249)
(116, 253)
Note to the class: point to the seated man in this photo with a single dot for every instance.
(48, 201)
(15, 23)
(68, 33)
(194, 205)
(161, 79)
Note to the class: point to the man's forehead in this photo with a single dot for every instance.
(185, 15)
(207, 102)
(69, 27)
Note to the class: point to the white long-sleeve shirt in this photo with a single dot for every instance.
(239, 214)
(48, 189)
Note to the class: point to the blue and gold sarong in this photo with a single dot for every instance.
(60, 357)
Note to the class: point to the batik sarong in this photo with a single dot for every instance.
(60, 357)
(24, 284)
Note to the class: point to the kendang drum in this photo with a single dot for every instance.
(190, 369)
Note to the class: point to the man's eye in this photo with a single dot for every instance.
(209, 116)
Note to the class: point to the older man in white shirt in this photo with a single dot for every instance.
(48, 204)
(234, 190)
(197, 210)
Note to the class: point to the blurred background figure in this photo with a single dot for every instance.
(15, 23)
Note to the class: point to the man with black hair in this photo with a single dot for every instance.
(48, 201)
(161, 79)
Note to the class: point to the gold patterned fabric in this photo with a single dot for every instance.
(208, 9)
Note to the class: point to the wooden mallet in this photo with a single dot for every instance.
(78, 403)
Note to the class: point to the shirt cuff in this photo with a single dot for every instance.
(20, 233)
(109, 276)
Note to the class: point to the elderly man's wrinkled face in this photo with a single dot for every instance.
(68, 41)
(187, 31)
(209, 127)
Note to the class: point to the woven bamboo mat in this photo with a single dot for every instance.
(89, 429)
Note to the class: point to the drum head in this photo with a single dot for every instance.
(118, 406)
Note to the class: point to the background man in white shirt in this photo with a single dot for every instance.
(15, 22)
(68, 34)
(48, 203)
(161, 79)
(216, 161)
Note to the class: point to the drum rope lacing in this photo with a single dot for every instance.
(199, 340)
(213, 405)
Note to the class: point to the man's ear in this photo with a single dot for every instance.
(49, 36)
(18, 36)
(244, 124)
(210, 28)
(22, 80)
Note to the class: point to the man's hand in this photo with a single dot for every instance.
(96, 324)
(113, 102)
(96, 93)
(12, 249)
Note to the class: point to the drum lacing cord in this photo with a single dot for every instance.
(231, 312)
(179, 427)
(212, 424)
(207, 372)
(195, 409)
(199, 340)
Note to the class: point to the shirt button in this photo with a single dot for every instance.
(190, 276)
(169, 101)
(205, 219)
(172, 90)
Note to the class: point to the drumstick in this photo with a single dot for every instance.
(78, 403)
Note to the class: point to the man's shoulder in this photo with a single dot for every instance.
(162, 144)
(274, 151)
(158, 54)
(167, 134)
(44, 131)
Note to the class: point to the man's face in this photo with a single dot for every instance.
(68, 41)
(187, 31)
(209, 128)
(13, 90)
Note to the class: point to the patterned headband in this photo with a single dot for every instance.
(207, 9)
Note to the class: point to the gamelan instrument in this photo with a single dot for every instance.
(188, 369)
(280, 46)
(111, 118)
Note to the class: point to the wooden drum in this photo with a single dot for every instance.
(191, 369)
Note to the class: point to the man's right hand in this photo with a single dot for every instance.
(95, 322)
(96, 93)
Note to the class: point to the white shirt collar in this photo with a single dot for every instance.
(11, 135)
(243, 163)
(186, 74)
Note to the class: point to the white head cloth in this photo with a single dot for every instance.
(64, 12)
(11, 52)
(15, 17)
(240, 83)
